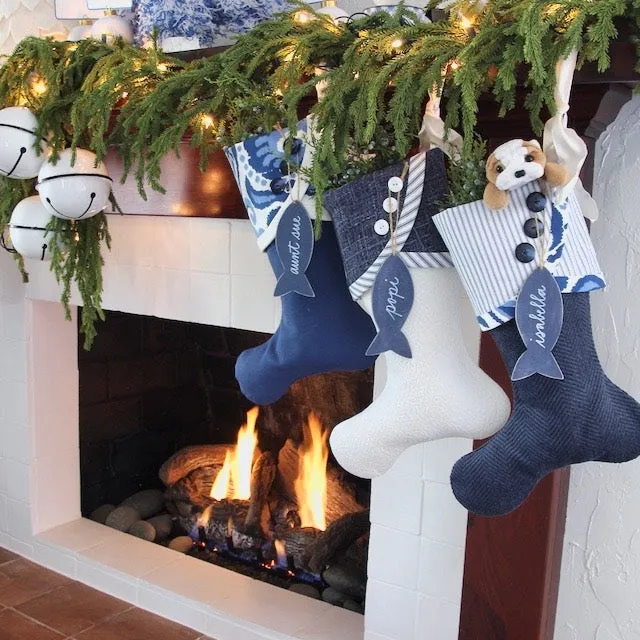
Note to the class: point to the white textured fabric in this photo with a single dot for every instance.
(406, 220)
(483, 243)
(439, 393)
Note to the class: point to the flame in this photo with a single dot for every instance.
(234, 479)
(204, 517)
(311, 484)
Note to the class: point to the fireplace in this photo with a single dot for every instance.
(208, 272)
(162, 457)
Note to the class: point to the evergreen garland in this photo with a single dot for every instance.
(379, 70)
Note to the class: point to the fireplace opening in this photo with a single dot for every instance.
(170, 451)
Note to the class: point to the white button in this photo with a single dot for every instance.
(395, 184)
(390, 205)
(381, 227)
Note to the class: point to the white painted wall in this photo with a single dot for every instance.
(600, 583)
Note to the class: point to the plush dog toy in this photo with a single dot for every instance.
(514, 164)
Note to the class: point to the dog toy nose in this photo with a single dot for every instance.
(520, 173)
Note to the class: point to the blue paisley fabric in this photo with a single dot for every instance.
(207, 20)
(263, 175)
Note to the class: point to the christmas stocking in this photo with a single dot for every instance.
(555, 422)
(439, 391)
(328, 332)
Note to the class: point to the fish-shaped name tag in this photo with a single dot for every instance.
(539, 314)
(392, 302)
(294, 243)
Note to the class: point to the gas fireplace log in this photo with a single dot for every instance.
(195, 487)
(340, 494)
(216, 522)
(337, 538)
(183, 462)
(263, 474)
(300, 543)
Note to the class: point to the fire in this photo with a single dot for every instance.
(234, 479)
(311, 483)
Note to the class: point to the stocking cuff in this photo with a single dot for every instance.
(494, 251)
(357, 214)
(265, 182)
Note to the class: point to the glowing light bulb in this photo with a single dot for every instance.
(465, 22)
(398, 43)
(303, 17)
(207, 121)
(162, 67)
(454, 65)
(38, 86)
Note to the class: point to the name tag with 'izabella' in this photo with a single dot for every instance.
(539, 316)
(294, 243)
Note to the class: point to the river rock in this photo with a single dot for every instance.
(163, 525)
(148, 503)
(100, 514)
(122, 518)
(333, 596)
(183, 544)
(142, 529)
(347, 578)
(305, 590)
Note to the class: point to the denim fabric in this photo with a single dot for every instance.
(356, 207)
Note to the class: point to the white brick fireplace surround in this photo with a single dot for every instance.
(205, 271)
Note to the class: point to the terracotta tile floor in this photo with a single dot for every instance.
(37, 604)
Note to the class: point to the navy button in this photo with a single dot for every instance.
(284, 168)
(311, 190)
(278, 186)
(533, 228)
(525, 252)
(536, 202)
(296, 146)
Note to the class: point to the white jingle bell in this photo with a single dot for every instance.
(331, 9)
(111, 27)
(28, 229)
(18, 157)
(80, 31)
(74, 191)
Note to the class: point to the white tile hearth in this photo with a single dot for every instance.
(206, 271)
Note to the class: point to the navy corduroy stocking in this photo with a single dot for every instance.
(316, 335)
(554, 423)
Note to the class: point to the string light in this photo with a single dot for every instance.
(466, 22)
(303, 17)
(162, 67)
(207, 121)
(38, 85)
(454, 65)
(397, 44)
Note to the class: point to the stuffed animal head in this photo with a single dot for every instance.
(514, 164)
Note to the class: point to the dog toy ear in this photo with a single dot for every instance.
(556, 174)
(494, 198)
(534, 143)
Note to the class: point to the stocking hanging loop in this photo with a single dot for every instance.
(562, 144)
(433, 133)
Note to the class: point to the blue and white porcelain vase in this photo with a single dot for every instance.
(192, 24)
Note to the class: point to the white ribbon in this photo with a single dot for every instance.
(433, 133)
(562, 144)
